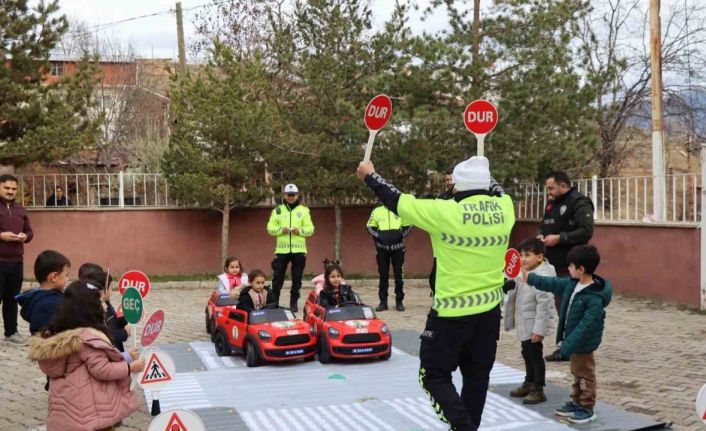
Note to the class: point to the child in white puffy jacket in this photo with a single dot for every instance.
(531, 313)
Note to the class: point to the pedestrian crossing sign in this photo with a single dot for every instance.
(177, 420)
(175, 424)
(159, 371)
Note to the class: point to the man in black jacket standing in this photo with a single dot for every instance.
(567, 222)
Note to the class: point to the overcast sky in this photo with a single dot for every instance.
(155, 37)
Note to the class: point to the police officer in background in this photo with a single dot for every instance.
(567, 222)
(389, 231)
(469, 236)
(291, 224)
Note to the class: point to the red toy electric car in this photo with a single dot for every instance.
(270, 334)
(349, 331)
(217, 305)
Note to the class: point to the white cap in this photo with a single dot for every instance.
(472, 174)
(291, 188)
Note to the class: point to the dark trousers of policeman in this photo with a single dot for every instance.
(279, 265)
(467, 342)
(384, 258)
(11, 274)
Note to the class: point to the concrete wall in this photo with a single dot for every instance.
(658, 262)
(188, 241)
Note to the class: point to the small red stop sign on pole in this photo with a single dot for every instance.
(512, 263)
(136, 279)
(378, 112)
(480, 117)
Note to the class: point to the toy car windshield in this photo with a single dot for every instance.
(273, 315)
(359, 312)
(226, 300)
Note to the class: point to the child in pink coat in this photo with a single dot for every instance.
(89, 379)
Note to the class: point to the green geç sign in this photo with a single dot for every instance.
(132, 305)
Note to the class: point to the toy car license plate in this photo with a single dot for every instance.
(294, 352)
(293, 332)
(363, 350)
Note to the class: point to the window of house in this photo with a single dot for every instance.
(107, 102)
(57, 69)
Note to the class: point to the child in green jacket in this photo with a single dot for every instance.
(581, 321)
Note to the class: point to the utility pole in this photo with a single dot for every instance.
(180, 38)
(658, 181)
(475, 50)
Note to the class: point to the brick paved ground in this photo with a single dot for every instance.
(652, 361)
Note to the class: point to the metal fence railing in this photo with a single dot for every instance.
(621, 199)
(94, 190)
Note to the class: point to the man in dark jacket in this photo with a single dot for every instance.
(568, 221)
(15, 230)
(388, 232)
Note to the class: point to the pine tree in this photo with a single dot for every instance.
(223, 128)
(40, 121)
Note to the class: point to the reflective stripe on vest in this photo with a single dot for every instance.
(476, 241)
(454, 302)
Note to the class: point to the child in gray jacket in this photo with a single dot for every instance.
(531, 313)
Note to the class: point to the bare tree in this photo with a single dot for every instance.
(243, 26)
(612, 57)
(131, 112)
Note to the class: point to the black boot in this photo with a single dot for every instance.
(382, 306)
(293, 305)
(555, 356)
(399, 305)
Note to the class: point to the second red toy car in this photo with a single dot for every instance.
(349, 331)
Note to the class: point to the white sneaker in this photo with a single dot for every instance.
(17, 339)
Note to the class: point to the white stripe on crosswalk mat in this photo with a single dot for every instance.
(211, 360)
(373, 418)
(184, 391)
(404, 412)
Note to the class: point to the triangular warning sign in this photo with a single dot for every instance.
(175, 424)
(155, 372)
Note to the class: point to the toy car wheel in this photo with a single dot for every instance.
(324, 352)
(208, 323)
(251, 357)
(212, 324)
(222, 345)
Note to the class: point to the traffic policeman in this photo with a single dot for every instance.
(469, 236)
(388, 231)
(291, 224)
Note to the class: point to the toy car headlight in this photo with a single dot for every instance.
(384, 329)
(218, 313)
(264, 335)
(333, 332)
(312, 330)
